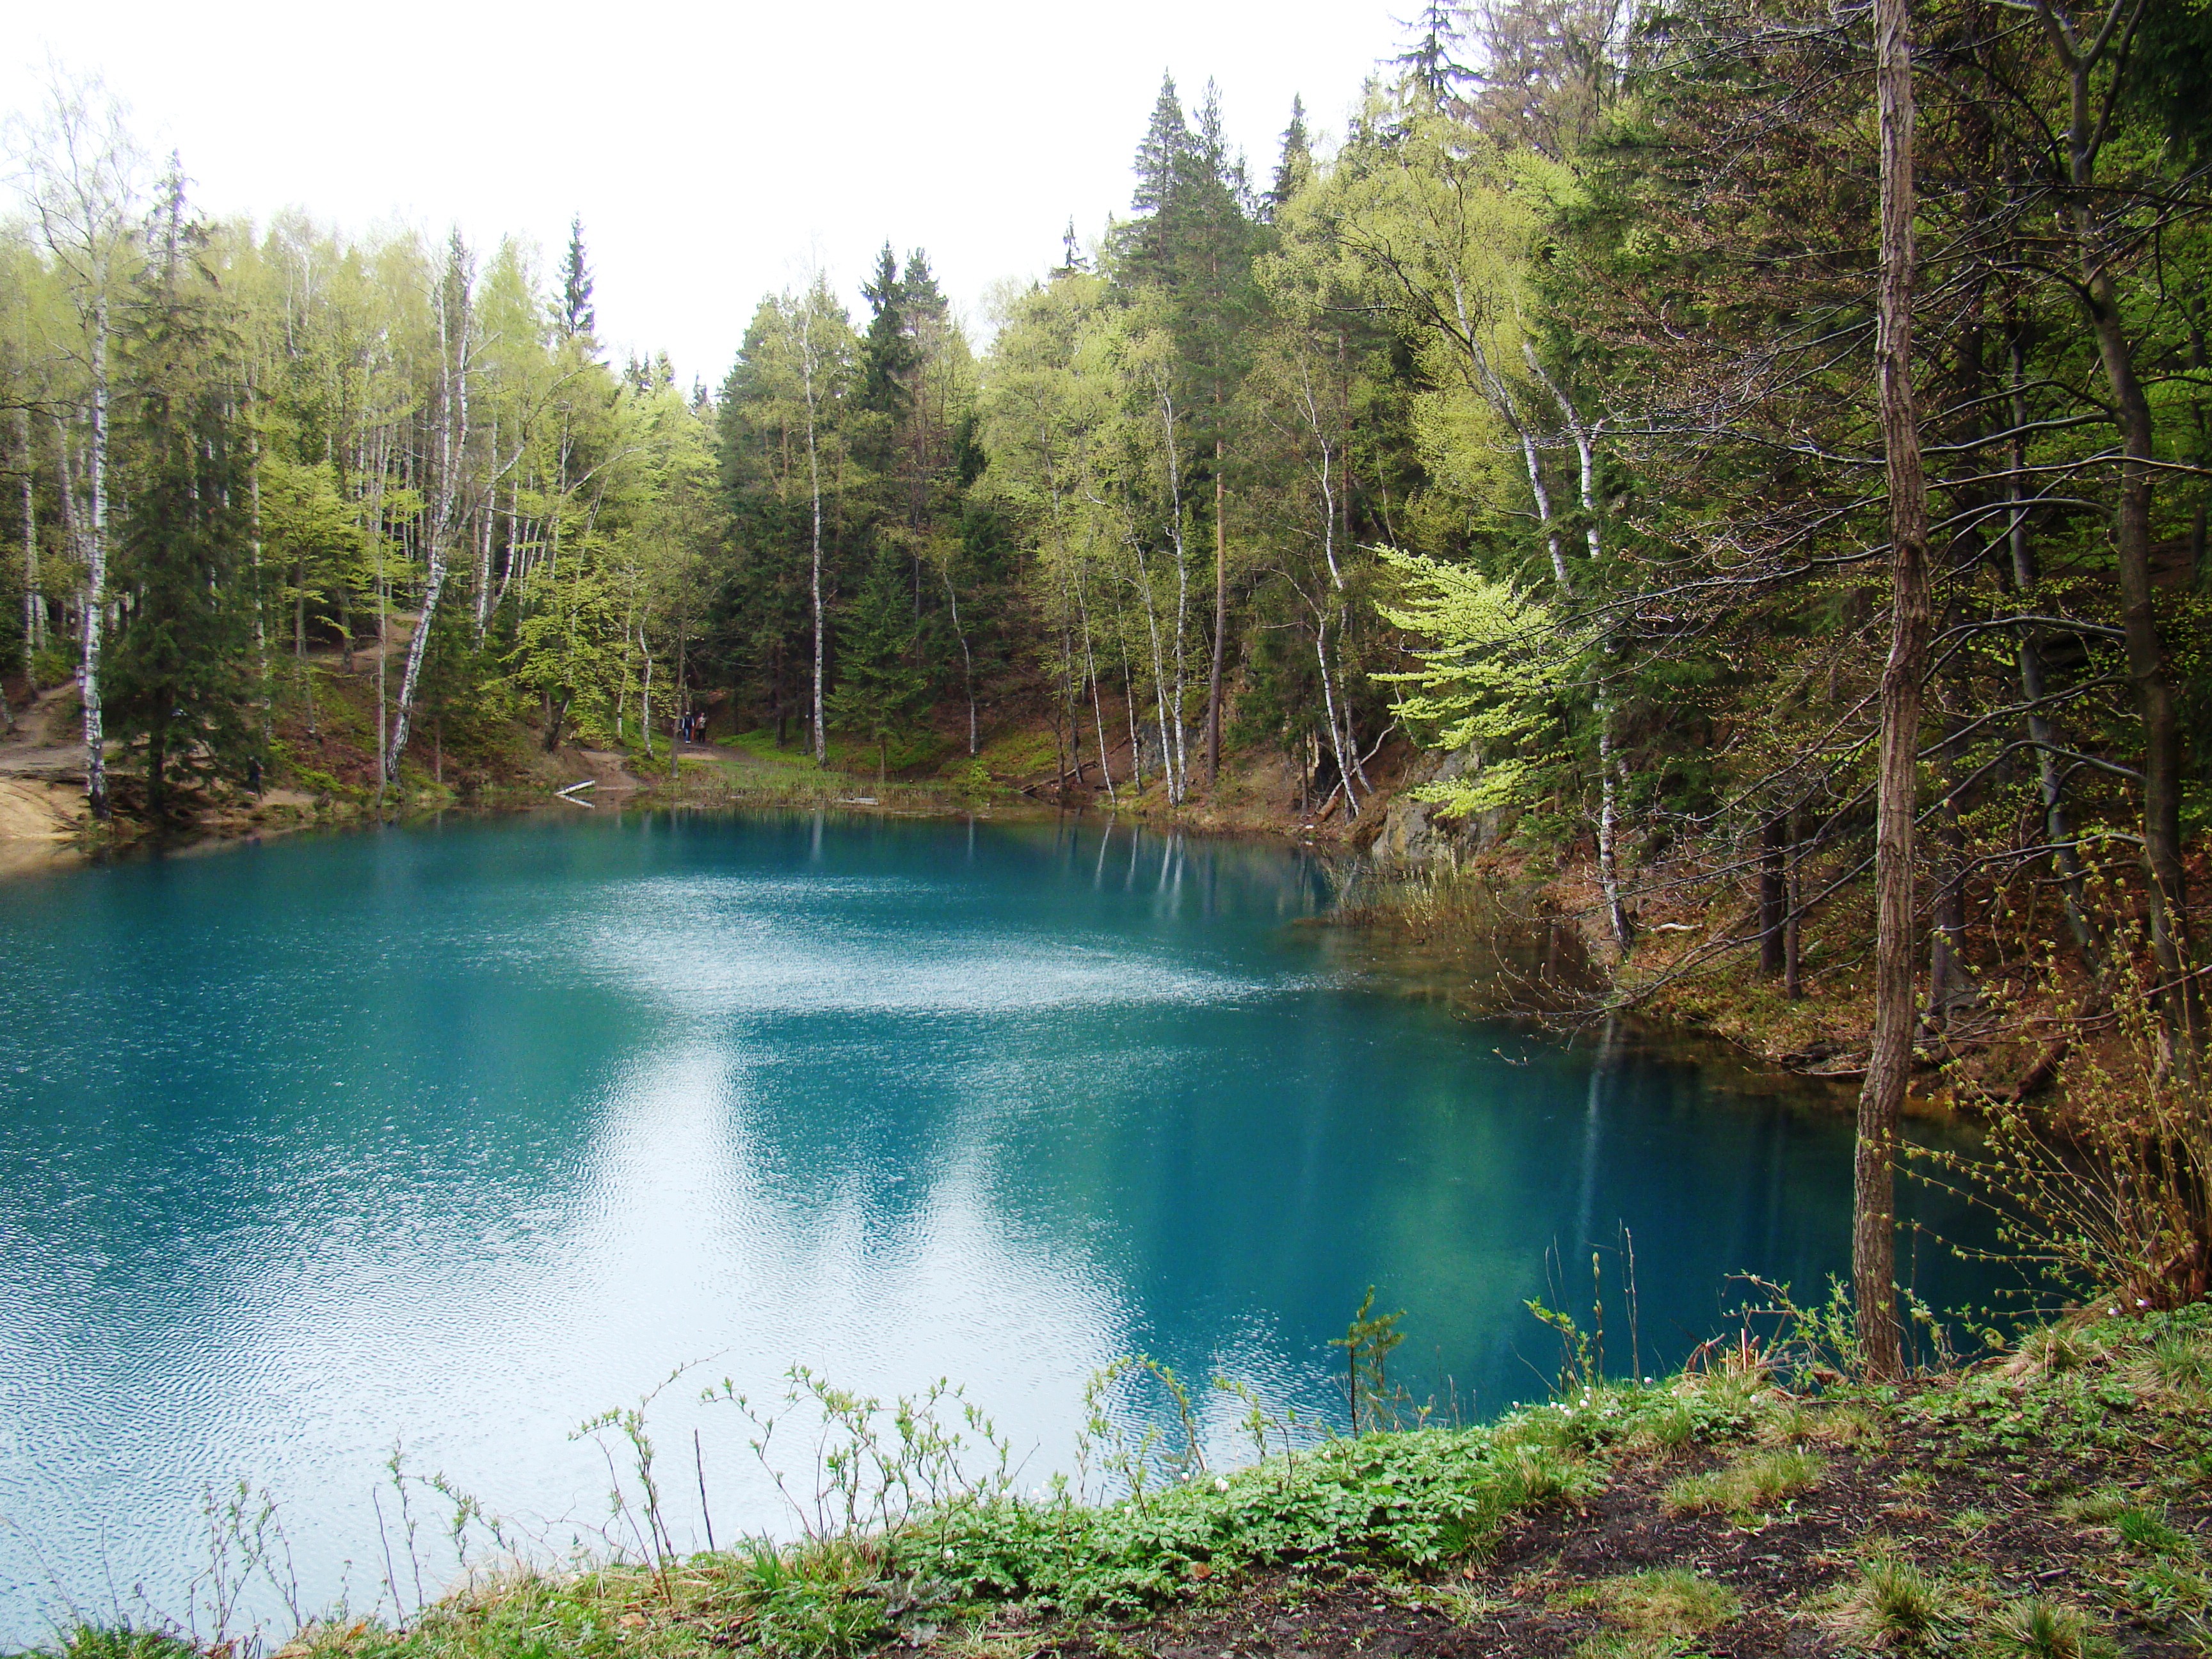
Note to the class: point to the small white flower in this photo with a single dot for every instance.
(1221, 1483)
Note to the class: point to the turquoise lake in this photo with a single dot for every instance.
(457, 1135)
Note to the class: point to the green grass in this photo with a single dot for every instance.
(849, 755)
(1892, 1603)
(1666, 1601)
(2038, 1627)
(1750, 1485)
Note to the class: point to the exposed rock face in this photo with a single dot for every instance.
(1412, 834)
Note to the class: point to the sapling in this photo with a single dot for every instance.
(1367, 1343)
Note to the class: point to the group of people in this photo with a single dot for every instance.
(692, 727)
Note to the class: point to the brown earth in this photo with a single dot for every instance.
(1984, 1529)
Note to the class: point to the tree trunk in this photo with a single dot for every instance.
(1585, 437)
(1793, 983)
(1773, 895)
(2180, 1003)
(35, 607)
(95, 578)
(1328, 704)
(1882, 1100)
(678, 699)
(452, 450)
(157, 768)
(967, 662)
(1220, 625)
(1181, 772)
(2040, 730)
(267, 697)
(814, 486)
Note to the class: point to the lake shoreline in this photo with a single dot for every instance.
(1758, 1504)
(1396, 917)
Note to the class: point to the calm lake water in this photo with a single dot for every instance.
(457, 1135)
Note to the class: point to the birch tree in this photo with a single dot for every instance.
(82, 172)
(456, 341)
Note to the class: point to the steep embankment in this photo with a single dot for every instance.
(322, 740)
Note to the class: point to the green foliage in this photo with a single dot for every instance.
(1416, 1499)
(177, 671)
(1490, 680)
(122, 1641)
(1368, 1343)
(880, 688)
(2113, 1199)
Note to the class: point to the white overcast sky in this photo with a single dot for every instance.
(712, 149)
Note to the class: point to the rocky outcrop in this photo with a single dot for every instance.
(1413, 834)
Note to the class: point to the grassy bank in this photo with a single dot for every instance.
(2051, 1501)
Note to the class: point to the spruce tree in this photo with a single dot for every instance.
(1295, 165)
(577, 318)
(177, 675)
(925, 300)
(1163, 160)
(1430, 70)
(880, 687)
(888, 358)
(1071, 252)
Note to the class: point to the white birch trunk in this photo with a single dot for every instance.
(95, 578)
(34, 609)
(967, 662)
(1090, 667)
(1159, 669)
(453, 444)
(260, 597)
(814, 488)
(1608, 861)
(485, 514)
(1329, 704)
(1180, 772)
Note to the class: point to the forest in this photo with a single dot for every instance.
(1716, 492)
(1528, 447)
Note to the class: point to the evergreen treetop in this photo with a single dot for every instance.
(577, 318)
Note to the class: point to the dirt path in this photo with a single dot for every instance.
(41, 792)
(610, 774)
(39, 747)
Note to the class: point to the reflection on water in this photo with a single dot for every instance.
(456, 1136)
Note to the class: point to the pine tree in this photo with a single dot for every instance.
(577, 318)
